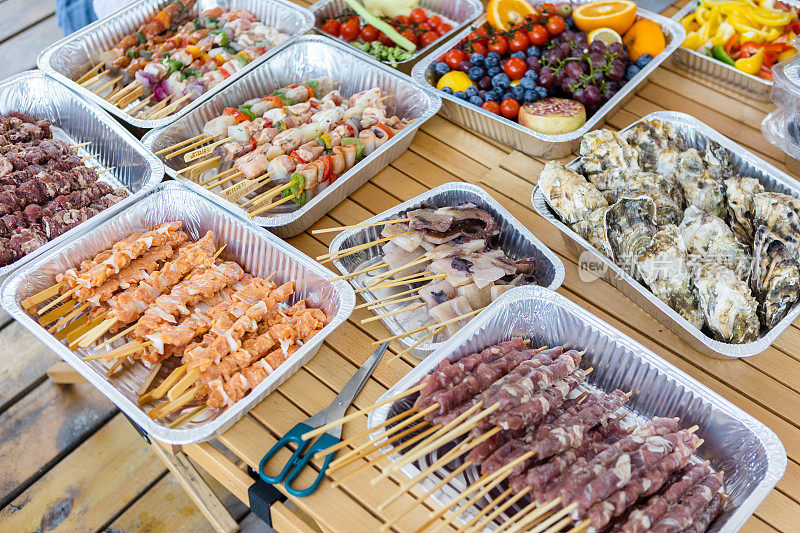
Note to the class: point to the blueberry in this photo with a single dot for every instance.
(520, 55)
(477, 59)
(441, 68)
(531, 96)
(494, 71)
(527, 83)
(506, 96)
(501, 81)
(475, 73)
(491, 62)
(530, 73)
(447, 90)
(471, 91)
(476, 100)
(494, 55)
(643, 60)
(535, 51)
(518, 91)
(491, 96)
(460, 94)
(541, 92)
(633, 70)
(571, 23)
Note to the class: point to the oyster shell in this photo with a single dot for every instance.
(712, 240)
(727, 304)
(739, 191)
(568, 193)
(630, 226)
(652, 137)
(780, 213)
(717, 161)
(774, 278)
(593, 229)
(604, 155)
(664, 269)
(665, 192)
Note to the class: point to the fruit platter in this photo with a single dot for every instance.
(393, 32)
(737, 42)
(549, 71)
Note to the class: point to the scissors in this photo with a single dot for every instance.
(333, 412)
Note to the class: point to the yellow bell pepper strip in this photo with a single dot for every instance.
(693, 41)
(752, 64)
(786, 54)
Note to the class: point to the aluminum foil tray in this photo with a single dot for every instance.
(259, 252)
(77, 121)
(68, 59)
(717, 71)
(515, 239)
(525, 139)
(697, 135)
(750, 453)
(461, 12)
(308, 57)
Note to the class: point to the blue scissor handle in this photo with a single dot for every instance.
(325, 441)
(294, 435)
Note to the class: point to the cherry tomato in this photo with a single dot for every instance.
(369, 33)
(491, 107)
(519, 42)
(499, 44)
(547, 8)
(427, 38)
(418, 15)
(409, 34)
(424, 26)
(475, 34)
(556, 25)
(538, 35)
(509, 108)
(476, 47)
(350, 30)
(332, 27)
(443, 28)
(515, 68)
(383, 38)
(434, 20)
(453, 58)
(402, 20)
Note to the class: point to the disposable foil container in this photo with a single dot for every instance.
(750, 453)
(259, 252)
(717, 71)
(525, 139)
(697, 135)
(77, 121)
(308, 57)
(514, 239)
(68, 59)
(461, 12)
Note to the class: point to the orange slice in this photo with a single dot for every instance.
(617, 15)
(502, 14)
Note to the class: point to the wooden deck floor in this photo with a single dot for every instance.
(71, 462)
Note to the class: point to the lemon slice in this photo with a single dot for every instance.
(606, 36)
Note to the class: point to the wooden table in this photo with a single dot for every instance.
(766, 386)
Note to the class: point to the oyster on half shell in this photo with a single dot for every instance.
(593, 229)
(740, 191)
(568, 193)
(712, 240)
(774, 278)
(727, 304)
(780, 213)
(664, 191)
(630, 226)
(664, 269)
(652, 137)
(604, 155)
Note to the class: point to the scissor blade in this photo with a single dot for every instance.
(340, 404)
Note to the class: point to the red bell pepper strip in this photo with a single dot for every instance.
(299, 160)
(386, 128)
(327, 160)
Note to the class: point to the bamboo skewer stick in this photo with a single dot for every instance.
(58, 312)
(204, 139)
(72, 338)
(264, 196)
(393, 302)
(185, 382)
(560, 525)
(436, 325)
(483, 512)
(188, 417)
(123, 351)
(251, 214)
(122, 92)
(355, 414)
(358, 247)
(72, 327)
(117, 336)
(419, 499)
(364, 451)
(80, 145)
(205, 150)
(225, 180)
(115, 366)
(158, 107)
(89, 73)
(217, 176)
(169, 109)
(371, 463)
(163, 387)
(172, 406)
(552, 519)
(449, 519)
(215, 159)
(182, 143)
(392, 313)
(423, 339)
(140, 105)
(385, 298)
(398, 269)
(41, 296)
(355, 273)
(477, 528)
(403, 281)
(93, 334)
(95, 78)
(149, 379)
(244, 187)
(128, 100)
(57, 301)
(106, 85)
(531, 517)
(69, 316)
(355, 226)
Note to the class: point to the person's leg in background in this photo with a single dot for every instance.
(74, 14)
